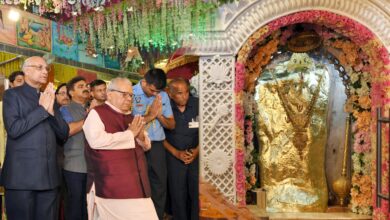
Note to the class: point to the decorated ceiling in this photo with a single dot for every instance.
(126, 31)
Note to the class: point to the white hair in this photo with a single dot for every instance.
(28, 61)
(113, 84)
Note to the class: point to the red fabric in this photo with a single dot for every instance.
(88, 75)
(186, 71)
(117, 174)
(179, 52)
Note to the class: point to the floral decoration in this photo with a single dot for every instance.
(145, 25)
(112, 26)
(366, 62)
(251, 156)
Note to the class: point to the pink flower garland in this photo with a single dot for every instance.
(240, 116)
(240, 77)
(343, 25)
(362, 143)
(240, 178)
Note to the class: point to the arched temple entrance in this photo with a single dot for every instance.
(226, 78)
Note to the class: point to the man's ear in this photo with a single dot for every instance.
(70, 93)
(109, 94)
(169, 92)
(171, 89)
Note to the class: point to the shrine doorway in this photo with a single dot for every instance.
(224, 80)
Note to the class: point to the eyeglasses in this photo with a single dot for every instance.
(124, 94)
(40, 67)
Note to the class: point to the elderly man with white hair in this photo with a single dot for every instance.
(30, 174)
(118, 185)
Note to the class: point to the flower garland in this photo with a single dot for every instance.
(132, 23)
(364, 58)
(91, 33)
(125, 27)
(239, 128)
(255, 64)
(251, 155)
(359, 105)
(66, 8)
(164, 27)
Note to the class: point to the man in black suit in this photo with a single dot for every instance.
(30, 173)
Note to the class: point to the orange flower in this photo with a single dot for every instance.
(348, 106)
(250, 82)
(350, 52)
(239, 97)
(361, 190)
(265, 52)
(253, 180)
(239, 138)
(261, 32)
(363, 119)
(243, 54)
(248, 186)
(253, 40)
(365, 102)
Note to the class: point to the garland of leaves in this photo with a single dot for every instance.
(164, 27)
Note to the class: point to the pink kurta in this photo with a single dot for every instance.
(114, 209)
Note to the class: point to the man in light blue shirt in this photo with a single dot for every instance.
(154, 104)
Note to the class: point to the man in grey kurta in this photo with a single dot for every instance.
(75, 168)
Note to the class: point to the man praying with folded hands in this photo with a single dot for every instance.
(117, 183)
(30, 174)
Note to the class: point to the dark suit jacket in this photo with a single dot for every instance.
(30, 160)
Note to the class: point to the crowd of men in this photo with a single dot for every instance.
(99, 151)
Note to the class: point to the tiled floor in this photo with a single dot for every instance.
(308, 216)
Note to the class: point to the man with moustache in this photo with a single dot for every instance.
(30, 173)
(75, 168)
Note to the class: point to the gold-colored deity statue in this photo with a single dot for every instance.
(292, 116)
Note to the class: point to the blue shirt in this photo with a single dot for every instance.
(141, 105)
(66, 115)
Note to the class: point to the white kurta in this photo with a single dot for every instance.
(114, 209)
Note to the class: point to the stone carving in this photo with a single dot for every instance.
(222, 110)
(216, 86)
(219, 74)
(218, 161)
(236, 22)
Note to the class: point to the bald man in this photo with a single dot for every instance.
(183, 150)
(30, 173)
